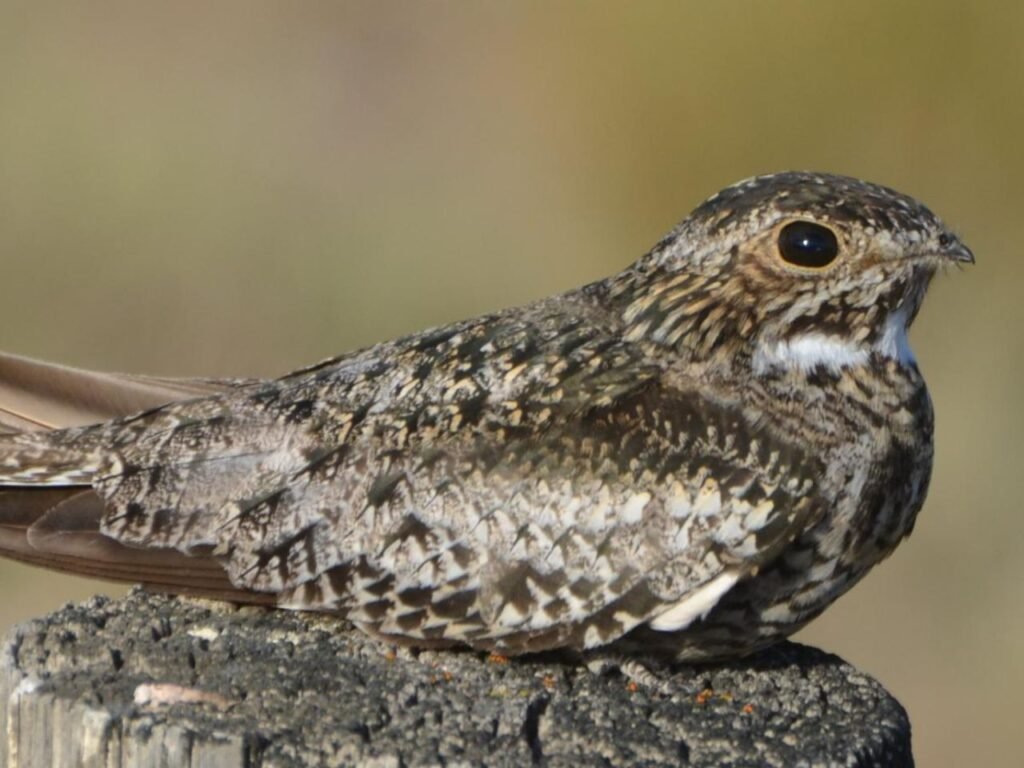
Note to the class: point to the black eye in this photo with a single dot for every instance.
(807, 244)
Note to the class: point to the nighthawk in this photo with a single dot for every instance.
(692, 458)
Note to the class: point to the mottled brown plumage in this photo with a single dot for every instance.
(692, 458)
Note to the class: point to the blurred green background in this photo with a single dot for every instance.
(245, 187)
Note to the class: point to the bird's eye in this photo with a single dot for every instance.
(809, 245)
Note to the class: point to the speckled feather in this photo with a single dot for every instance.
(691, 458)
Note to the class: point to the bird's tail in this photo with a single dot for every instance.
(49, 514)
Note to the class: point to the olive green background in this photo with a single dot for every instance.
(244, 187)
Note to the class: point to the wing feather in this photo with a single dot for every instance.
(35, 395)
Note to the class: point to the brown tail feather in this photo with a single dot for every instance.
(59, 528)
(36, 395)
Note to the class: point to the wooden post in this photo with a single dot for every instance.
(158, 681)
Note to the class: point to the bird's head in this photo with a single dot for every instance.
(791, 270)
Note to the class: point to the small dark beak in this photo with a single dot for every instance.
(956, 251)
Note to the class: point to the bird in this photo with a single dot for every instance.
(688, 460)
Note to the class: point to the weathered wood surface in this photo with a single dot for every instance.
(95, 684)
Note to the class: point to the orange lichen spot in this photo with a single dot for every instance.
(497, 658)
(704, 696)
(748, 709)
(632, 686)
(548, 681)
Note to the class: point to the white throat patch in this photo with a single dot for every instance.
(806, 352)
(894, 342)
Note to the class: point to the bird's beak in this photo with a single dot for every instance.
(957, 252)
